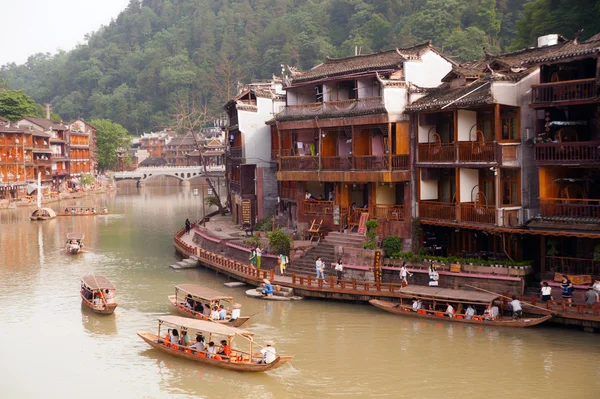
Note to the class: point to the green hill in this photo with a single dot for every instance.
(157, 52)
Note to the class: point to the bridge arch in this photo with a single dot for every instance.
(172, 175)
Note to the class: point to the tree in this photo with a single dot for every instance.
(110, 137)
(15, 104)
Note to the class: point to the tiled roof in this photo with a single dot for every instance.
(561, 51)
(46, 123)
(181, 140)
(383, 60)
(478, 92)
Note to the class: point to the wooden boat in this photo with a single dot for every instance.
(74, 243)
(41, 213)
(83, 211)
(196, 295)
(239, 360)
(437, 315)
(98, 294)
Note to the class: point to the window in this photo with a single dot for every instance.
(510, 186)
(509, 125)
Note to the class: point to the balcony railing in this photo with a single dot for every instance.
(334, 107)
(371, 162)
(573, 90)
(568, 152)
(473, 151)
(572, 208)
(437, 210)
(389, 212)
(40, 161)
(431, 152)
(290, 194)
(300, 163)
(567, 265)
(475, 213)
(323, 208)
(400, 162)
(336, 163)
(235, 152)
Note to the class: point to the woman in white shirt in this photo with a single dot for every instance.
(450, 310)
(546, 292)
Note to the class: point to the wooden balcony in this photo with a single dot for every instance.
(400, 162)
(289, 194)
(322, 208)
(300, 163)
(389, 212)
(571, 208)
(42, 162)
(336, 163)
(476, 213)
(568, 153)
(235, 152)
(473, 151)
(577, 266)
(333, 108)
(437, 210)
(431, 152)
(371, 162)
(572, 91)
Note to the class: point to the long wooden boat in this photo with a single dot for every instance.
(83, 211)
(74, 243)
(196, 296)
(405, 310)
(239, 360)
(102, 290)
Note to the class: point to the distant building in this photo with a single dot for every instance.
(155, 143)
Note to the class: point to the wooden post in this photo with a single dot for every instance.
(497, 123)
(390, 145)
(353, 146)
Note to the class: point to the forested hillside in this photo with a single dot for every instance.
(157, 52)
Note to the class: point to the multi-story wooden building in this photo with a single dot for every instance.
(81, 128)
(16, 160)
(178, 147)
(155, 143)
(343, 138)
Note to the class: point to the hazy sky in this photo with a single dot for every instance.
(40, 26)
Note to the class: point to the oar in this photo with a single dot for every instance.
(504, 296)
(260, 311)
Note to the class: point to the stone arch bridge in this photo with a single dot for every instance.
(182, 173)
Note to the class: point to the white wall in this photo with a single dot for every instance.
(505, 93)
(423, 131)
(428, 71)
(469, 178)
(394, 99)
(256, 134)
(466, 120)
(429, 189)
(368, 87)
(25, 124)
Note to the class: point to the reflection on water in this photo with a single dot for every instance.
(342, 349)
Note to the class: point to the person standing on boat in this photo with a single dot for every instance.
(339, 270)
(236, 311)
(259, 252)
(517, 308)
(188, 226)
(404, 273)
(469, 313)
(320, 268)
(269, 353)
(567, 289)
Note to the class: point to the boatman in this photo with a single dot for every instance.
(235, 312)
(517, 308)
(269, 353)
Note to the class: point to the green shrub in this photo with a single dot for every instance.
(371, 242)
(265, 225)
(252, 241)
(279, 242)
(392, 245)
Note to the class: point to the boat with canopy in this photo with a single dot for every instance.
(41, 213)
(98, 294)
(196, 301)
(239, 358)
(74, 243)
(83, 211)
(432, 304)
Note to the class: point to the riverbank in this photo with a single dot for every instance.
(52, 198)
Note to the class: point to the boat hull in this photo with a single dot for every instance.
(185, 312)
(153, 341)
(394, 308)
(108, 309)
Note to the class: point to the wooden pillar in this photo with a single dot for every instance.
(497, 123)
(389, 146)
(353, 144)
(457, 179)
(279, 145)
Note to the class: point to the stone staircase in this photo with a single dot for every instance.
(188, 263)
(306, 264)
(345, 239)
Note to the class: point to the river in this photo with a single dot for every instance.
(52, 347)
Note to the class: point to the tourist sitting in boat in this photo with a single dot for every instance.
(236, 311)
(185, 339)
(269, 353)
(109, 296)
(94, 211)
(66, 210)
(469, 313)
(189, 302)
(98, 302)
(211, 350)
(416, 305)
(222, 312)
(268, 289)
(174, 337)
(200, 344)
(491, 312)
(449, 310)
(198, 308)
(225, 350)
(516, 307)
(214, 314)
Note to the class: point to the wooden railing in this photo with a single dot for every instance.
(400, 162)
(389, 212)
(430, 152)
(38, 161)
(287, 152)
(573, 90)
(472, 151)
(336, 163)
(300, 163)
(349, 286)
(577, 266)
(574, 208)
(289, 194)
(235, 152)
(324, 208)
(354, 215)
(568, 152)
(370, 162)
(475, 213)
(437, 210)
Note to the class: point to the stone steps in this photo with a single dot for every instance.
(185, 264)
(345, 239)
(306, 265)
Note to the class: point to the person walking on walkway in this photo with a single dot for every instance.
(339, 270)
(258, 256)
(283, 261)
(404, 273)
(253, 257)
(188, 226)
(320, 266)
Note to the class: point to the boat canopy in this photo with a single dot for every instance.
(201, 292)
(74, 236)
(204, 326)
(447, 294)
(41, 211)
(98, 283)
